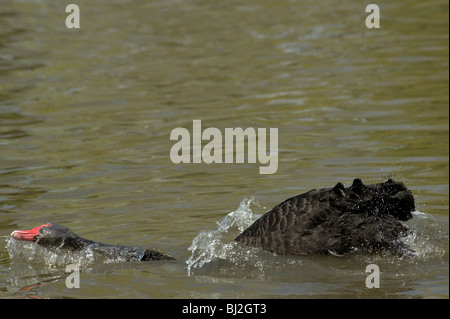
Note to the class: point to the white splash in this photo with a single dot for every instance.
(426, 237)
(32, 253)
(219, 243)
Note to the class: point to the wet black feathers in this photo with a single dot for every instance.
(334, 220)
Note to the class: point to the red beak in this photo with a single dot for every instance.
(28, 235)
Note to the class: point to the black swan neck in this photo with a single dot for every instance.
(116, 252)
(55, 237)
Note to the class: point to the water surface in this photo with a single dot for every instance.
(86, 115)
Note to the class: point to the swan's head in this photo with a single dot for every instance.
(47, 235)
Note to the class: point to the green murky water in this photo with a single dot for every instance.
(86, 116)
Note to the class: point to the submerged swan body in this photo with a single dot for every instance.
(334, 221)
(54, 236)
(327, 221)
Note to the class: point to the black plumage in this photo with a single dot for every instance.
(334, 220)
(54, 236)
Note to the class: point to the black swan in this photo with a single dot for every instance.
(54, 236)
(335, 221)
